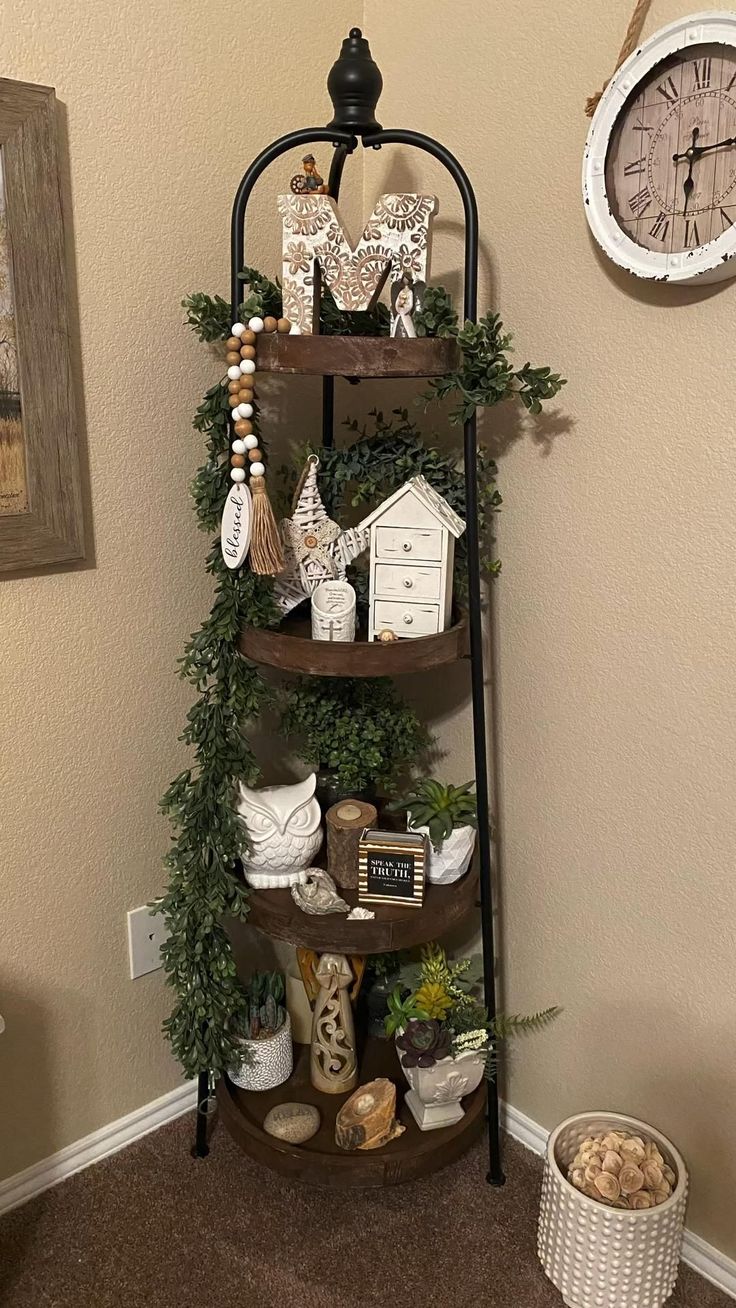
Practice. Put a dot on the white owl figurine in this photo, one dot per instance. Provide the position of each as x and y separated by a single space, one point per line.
285 832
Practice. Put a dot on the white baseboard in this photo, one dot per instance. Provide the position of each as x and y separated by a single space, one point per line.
702 1257
100 1144
16 1190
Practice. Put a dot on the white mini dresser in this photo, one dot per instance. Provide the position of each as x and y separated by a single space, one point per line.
412 543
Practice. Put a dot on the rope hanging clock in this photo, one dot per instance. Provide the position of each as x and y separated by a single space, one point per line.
659 172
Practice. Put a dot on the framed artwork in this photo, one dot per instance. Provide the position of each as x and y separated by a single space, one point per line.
41 518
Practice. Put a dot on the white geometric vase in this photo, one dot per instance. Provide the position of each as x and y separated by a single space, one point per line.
601 1257
451 861
435 1094
271 1062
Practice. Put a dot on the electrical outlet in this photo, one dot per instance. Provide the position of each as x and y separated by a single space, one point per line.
146 934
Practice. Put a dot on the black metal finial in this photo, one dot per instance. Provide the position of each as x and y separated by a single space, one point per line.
354 84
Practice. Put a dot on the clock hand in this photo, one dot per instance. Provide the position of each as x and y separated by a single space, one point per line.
688 184
696 151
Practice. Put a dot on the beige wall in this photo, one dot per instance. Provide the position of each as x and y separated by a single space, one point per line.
160 121
616 614
617 624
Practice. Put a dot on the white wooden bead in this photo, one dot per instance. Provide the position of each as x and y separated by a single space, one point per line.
238 447
251 442
248 365
295 329
233 372
238 474
256 324
245 410
237 329
257 469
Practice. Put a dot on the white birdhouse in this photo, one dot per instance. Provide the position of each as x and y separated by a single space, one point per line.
412 543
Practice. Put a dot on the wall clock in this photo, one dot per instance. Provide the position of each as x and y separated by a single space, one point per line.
659 173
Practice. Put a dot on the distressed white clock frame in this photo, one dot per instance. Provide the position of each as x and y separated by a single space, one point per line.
412 548
712 262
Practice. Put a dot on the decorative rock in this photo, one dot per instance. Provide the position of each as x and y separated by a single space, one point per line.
295 1123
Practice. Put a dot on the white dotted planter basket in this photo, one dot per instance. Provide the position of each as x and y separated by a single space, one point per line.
271 1063
601 1257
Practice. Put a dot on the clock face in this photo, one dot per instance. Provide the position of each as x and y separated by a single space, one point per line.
670 167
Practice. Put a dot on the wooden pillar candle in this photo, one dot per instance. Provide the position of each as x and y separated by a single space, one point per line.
345 822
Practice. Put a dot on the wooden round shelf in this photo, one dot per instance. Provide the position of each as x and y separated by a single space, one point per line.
358 356
275 913
291 648
319 1162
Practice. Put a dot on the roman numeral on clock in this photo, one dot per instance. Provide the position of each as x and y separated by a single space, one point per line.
725 220
691 234
701 73
634 168
644 127
730 84
669 91
640 202
661 227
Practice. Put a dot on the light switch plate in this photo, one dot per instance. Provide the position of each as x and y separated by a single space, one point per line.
146 934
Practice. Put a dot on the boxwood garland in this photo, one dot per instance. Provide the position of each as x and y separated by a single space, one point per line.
203 892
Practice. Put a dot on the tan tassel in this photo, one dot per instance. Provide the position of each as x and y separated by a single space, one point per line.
266 556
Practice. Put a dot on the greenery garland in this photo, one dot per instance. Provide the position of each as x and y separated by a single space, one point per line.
210 1008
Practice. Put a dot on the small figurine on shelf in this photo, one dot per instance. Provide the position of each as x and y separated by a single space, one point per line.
404 302
284 832
333 1063
309 181
412 539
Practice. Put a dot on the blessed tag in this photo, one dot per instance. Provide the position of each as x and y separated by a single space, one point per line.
235 529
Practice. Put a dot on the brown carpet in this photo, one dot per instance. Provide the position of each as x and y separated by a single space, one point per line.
154 1228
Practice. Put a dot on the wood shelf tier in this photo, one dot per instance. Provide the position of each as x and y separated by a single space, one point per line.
291 648
319 1162
394 927
358 356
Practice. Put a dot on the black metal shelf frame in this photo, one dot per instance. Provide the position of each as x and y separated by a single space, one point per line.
355 85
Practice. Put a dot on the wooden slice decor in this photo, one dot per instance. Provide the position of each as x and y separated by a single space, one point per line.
235 528
291 648
345 821
368 1119
358 356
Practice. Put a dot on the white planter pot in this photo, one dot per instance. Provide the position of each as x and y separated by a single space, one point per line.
453 859
435 1093
271 1064
601 1257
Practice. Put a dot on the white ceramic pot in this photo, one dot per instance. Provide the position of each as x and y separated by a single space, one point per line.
435 1093
452 860
602 1257
271 1061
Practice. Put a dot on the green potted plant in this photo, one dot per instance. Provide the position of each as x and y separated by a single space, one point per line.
447 815
445 1040
357 732
266 1051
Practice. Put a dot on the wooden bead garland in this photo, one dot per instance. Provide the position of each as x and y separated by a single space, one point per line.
246 456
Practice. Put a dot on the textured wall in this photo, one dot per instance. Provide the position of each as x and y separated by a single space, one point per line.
616 607
159 117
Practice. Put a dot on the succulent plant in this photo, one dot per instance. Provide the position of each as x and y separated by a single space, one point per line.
401 1011
434 999
266 1013
439 808
423 1043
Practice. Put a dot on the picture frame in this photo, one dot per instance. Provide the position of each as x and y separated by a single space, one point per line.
41 514
392 868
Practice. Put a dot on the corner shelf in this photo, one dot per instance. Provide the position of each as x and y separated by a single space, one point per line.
275 913
319 1162
291 648
358 356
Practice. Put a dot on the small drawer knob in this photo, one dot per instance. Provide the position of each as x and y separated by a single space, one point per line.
408 583
406 547
408 619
